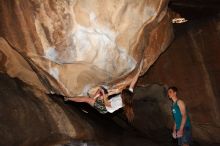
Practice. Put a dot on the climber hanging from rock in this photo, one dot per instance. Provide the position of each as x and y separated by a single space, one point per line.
113 99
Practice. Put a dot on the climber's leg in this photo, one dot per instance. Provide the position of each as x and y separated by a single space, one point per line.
85 99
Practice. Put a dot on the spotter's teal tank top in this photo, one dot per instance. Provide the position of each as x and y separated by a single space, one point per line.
178 117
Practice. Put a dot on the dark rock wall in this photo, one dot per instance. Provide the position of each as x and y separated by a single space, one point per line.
192 64
30 119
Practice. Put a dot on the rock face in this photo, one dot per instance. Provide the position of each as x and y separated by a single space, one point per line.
35 119
69 47
192 64
29 119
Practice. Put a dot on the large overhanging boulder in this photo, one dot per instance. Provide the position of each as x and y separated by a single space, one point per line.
71 46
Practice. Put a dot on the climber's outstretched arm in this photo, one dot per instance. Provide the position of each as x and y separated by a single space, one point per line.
105 98
116 89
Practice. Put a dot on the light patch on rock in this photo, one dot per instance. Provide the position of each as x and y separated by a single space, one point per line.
54 72
85 90
99 42
93 39
129 60
51 54
150 11
92 16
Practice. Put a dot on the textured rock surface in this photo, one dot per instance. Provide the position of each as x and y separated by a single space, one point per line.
71 46
28 119
192 64
152 113
39 120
